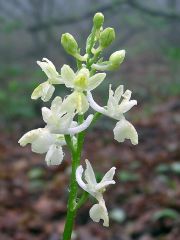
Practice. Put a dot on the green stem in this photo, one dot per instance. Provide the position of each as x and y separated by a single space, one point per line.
91 43
79 64
71 213
69 143
72 201
97 115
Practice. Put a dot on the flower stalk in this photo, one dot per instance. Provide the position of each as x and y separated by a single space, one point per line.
72 201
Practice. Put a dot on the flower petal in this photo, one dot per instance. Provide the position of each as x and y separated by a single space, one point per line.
89 174
107 179
118 92
95 81
125 130
43 141
46 114
44 91
47 92
37 93
54 155
56 103
125 105
29 137
102 185
48 67
109 175
67 75
79 172
40 140
127 95
99 211
112 103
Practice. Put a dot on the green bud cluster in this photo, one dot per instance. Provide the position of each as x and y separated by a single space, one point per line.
102 38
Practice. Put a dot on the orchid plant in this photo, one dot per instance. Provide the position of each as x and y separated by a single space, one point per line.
65 122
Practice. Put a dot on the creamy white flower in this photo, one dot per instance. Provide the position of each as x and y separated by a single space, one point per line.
114 108
80 82
118 103
45 90
61 122
56 117
42 141
98 211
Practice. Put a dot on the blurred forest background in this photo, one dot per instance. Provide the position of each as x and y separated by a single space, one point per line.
33 197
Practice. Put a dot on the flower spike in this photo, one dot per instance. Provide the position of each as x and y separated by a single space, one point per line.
60 117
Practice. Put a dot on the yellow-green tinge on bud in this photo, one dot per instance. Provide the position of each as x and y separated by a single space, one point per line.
69 43
98 20
117 58
107 37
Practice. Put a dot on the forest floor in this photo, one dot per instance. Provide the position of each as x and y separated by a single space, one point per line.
143 205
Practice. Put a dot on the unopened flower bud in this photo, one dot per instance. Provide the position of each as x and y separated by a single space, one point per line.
98 20
117 58
114 61
69 43
106 37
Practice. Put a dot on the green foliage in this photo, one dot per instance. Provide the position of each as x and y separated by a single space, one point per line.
173 89
135 165
166 213
13 94
17 106
175 167
162 168
127 176
10 26
169 168
173 53
11 72
36 173
36 178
